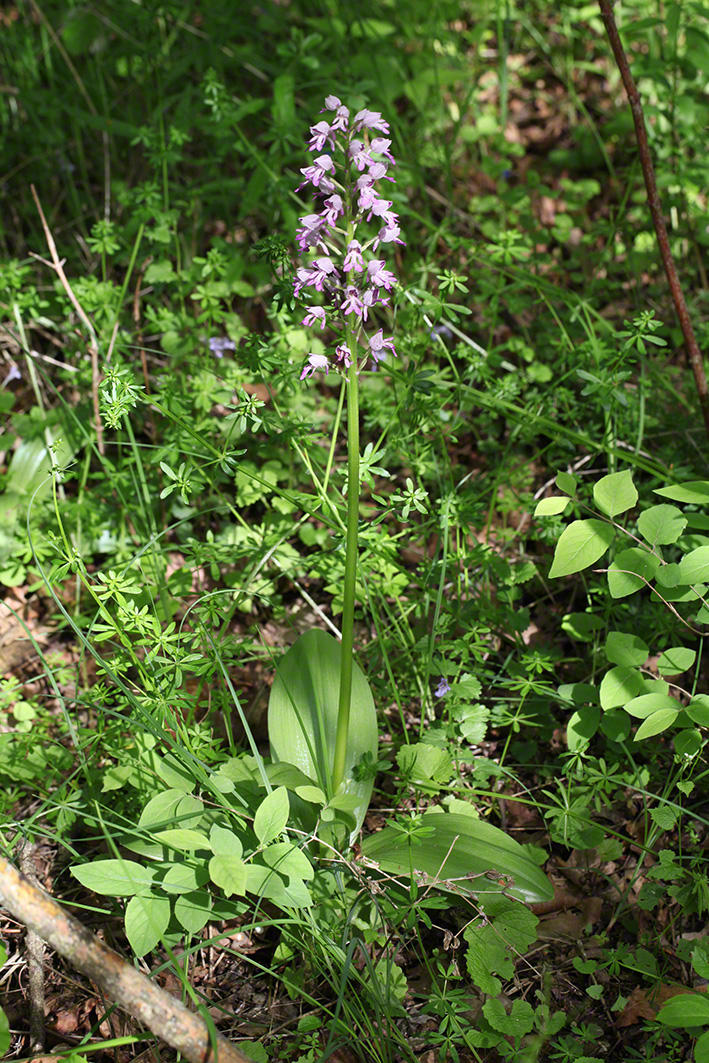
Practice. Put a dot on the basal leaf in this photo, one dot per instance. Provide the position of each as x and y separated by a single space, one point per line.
302 716
456 847
581 545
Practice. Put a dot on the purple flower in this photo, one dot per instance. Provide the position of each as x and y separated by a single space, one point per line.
378 346
380 209
15 374
320 135
315 313
388 234
369 120
379 276
360 155
372 298
353 259
335 207
380 146
320 271
342 114
368 195
344 354
378 172
311 233
219 344
352 303
317 173
315 363
443 688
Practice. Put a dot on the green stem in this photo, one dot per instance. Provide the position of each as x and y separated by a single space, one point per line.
350 585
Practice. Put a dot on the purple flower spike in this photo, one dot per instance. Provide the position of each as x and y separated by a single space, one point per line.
316 363
344 179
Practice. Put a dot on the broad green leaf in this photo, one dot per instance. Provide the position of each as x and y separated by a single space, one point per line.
114 878
272 816
615 493
565 481
661 525
646 704
579 693
302 716
193 910
619 685
630 570
224 842
550 507
229 873
183 839
676 660
655 724
312 794
581 545
688 742
616 725
282 774
160 810
582 726
289 860
624 648
5 1038
694 566
176 774
146 921
693 491
686 1009
518 1023
181 878
457 847
698 710
581 626
668 575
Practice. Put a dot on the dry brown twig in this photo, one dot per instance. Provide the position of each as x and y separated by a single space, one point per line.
183 1030
58 267
653 199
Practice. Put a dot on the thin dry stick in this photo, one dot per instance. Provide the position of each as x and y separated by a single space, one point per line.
183 1030
35 961
93 343
653 199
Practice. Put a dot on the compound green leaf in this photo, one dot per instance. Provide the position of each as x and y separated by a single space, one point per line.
581 545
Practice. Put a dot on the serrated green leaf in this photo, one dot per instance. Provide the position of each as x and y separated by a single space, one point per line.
624 648
272 816
615 493
661 525
550 507
457 847
146 921
114 878
580 545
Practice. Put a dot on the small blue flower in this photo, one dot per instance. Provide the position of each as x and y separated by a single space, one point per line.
443 688
14 374
219 344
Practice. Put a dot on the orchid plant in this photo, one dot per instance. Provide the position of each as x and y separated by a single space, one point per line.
321 719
